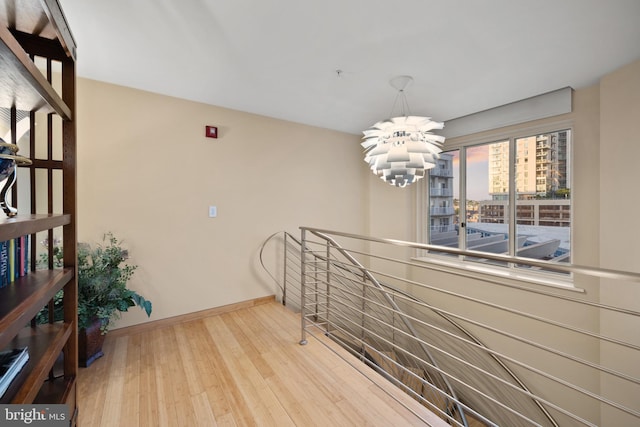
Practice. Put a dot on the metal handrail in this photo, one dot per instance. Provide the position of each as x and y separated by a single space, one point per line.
392 303
338 284
527 315
474 340
281 286
565 268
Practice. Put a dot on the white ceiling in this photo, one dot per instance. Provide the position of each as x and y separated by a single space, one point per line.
279 58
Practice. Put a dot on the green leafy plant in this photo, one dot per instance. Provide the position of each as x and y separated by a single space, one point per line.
102 285
43 316
43 261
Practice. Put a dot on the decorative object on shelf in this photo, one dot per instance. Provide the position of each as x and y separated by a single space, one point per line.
102 294
401 149
9 162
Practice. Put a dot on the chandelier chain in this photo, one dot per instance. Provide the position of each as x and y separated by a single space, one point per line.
404 104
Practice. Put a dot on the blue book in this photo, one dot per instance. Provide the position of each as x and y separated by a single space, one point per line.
12 260
26 254
4 264
20 251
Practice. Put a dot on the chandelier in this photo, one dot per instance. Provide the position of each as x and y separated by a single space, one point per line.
399 150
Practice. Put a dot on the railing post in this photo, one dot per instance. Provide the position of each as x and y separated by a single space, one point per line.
363 307
316 280
394 317
284 277
303 270
328 280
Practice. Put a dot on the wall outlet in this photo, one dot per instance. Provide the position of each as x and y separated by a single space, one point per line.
213 211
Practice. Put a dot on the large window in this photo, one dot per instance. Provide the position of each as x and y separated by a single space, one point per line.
510 196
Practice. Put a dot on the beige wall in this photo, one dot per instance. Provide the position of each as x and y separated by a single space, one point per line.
147 173
391 216
619 154
620 177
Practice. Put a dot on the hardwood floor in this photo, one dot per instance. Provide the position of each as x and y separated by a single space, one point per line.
243 368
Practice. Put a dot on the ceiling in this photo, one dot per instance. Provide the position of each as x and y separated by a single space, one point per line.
279 58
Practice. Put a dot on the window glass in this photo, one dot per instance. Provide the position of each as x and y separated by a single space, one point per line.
443 200
543 202
536 176
488 189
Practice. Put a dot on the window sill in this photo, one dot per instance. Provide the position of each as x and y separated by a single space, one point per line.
496 274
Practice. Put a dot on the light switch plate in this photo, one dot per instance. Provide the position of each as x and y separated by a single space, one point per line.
213 211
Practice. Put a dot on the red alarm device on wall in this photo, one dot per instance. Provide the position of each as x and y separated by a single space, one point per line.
211 132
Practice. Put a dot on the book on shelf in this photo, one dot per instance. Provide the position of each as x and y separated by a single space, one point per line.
14 259
11 362
4 264
21 252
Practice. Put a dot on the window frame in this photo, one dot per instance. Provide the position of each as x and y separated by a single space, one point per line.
512 134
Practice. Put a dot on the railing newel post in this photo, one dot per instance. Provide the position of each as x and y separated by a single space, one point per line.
362 310
303 268
328 265
284 273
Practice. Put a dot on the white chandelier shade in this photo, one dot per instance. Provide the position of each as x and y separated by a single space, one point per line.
401 149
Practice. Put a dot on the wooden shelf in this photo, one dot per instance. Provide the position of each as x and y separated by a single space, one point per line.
55 391
21 82
45 342
32 14
22 225
34 34
23 299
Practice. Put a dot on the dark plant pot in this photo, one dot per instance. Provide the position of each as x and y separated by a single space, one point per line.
90 342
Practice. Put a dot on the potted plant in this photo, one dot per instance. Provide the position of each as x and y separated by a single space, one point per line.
102 294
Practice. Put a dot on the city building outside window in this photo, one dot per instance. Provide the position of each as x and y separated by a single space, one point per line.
474 192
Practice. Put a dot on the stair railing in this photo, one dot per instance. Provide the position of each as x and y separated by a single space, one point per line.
289 281
331 243
367 309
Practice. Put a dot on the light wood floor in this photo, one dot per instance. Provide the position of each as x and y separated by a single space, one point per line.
243 368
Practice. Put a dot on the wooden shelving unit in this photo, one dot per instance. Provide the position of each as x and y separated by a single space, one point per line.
22 300
36 47
28 224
